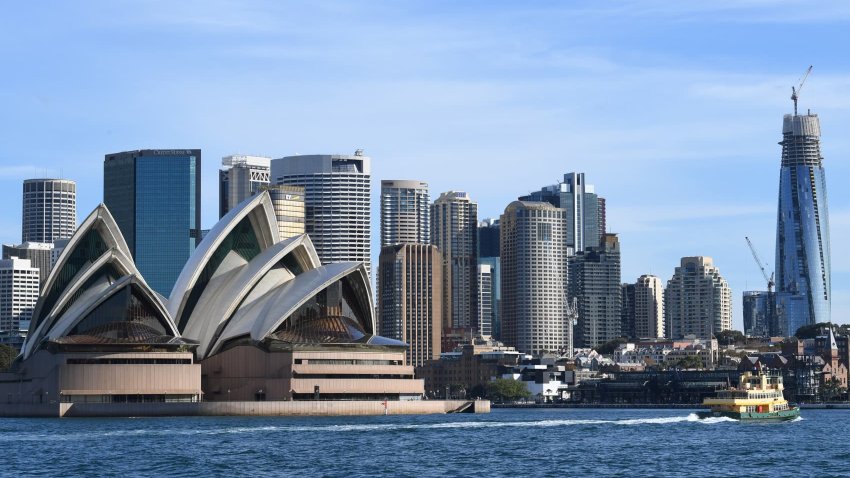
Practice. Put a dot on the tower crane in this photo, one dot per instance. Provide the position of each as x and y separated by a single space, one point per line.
769 280
795 93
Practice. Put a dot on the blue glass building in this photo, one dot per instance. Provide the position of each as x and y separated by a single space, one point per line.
803 291
155 198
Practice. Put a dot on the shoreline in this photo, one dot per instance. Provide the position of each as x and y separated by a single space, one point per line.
648 406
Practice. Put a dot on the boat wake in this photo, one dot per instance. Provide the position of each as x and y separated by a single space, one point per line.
387 427
710 420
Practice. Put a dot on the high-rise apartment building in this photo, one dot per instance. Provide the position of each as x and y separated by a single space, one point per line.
49 210
585 210
698 300
405 212
454 230
155 197
19 288
803 290
336 199
40 255
534 278
495 293
649 307
410 305
240 177
759 313
289 208
594 279
489 254
485 301
627 310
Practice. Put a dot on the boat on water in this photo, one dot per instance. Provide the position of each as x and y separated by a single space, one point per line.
758 397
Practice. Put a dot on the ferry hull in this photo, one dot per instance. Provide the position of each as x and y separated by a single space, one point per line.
778 416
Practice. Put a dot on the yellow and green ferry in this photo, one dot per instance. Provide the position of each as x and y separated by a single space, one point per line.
758 397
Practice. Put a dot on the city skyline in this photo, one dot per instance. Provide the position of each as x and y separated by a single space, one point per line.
650 123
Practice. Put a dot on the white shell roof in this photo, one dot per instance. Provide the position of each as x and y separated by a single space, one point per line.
261 211
46 322
261 317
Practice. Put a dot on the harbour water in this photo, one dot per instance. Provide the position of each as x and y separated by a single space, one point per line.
506 442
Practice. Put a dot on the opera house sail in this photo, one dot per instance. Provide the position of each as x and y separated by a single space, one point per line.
99 333
250 318
272 323
802 228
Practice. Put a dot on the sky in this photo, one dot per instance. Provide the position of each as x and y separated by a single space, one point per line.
673 110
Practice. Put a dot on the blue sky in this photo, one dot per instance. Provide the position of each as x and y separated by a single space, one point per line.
672 109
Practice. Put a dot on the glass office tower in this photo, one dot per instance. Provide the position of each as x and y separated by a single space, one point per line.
155 196
802 228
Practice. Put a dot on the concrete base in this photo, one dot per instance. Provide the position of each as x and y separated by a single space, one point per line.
288 408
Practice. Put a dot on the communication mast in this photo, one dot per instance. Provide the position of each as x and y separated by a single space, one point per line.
795 93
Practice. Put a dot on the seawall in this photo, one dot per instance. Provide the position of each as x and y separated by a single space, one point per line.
287 408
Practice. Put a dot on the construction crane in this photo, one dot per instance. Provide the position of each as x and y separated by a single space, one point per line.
795 93
769 280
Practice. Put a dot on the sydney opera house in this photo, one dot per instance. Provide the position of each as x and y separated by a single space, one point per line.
251 318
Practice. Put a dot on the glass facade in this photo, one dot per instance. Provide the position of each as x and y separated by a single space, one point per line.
803 289
336 313
154 196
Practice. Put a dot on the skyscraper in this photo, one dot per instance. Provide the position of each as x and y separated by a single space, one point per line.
759 312
489 254
18 295
803 291
410 305
40 255
698 300
454 230
649 307
155 197
534 278
585 210
288 202
488 238
240 177
405 212
336 200
49 210
627 310
485 301
594 279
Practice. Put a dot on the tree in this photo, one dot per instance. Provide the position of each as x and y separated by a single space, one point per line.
690 361
610 346
730 337
832 390
506 390
813 330
7 355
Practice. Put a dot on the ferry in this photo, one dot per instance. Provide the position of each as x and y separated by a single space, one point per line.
757 398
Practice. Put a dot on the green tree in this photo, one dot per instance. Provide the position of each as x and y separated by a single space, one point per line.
610 346
832 390
7 355
730 337
690 361
506 390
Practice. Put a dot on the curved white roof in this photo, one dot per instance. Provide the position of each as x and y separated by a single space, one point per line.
63 299
225 292
98 294
261 317
259 210
113 257
101 221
